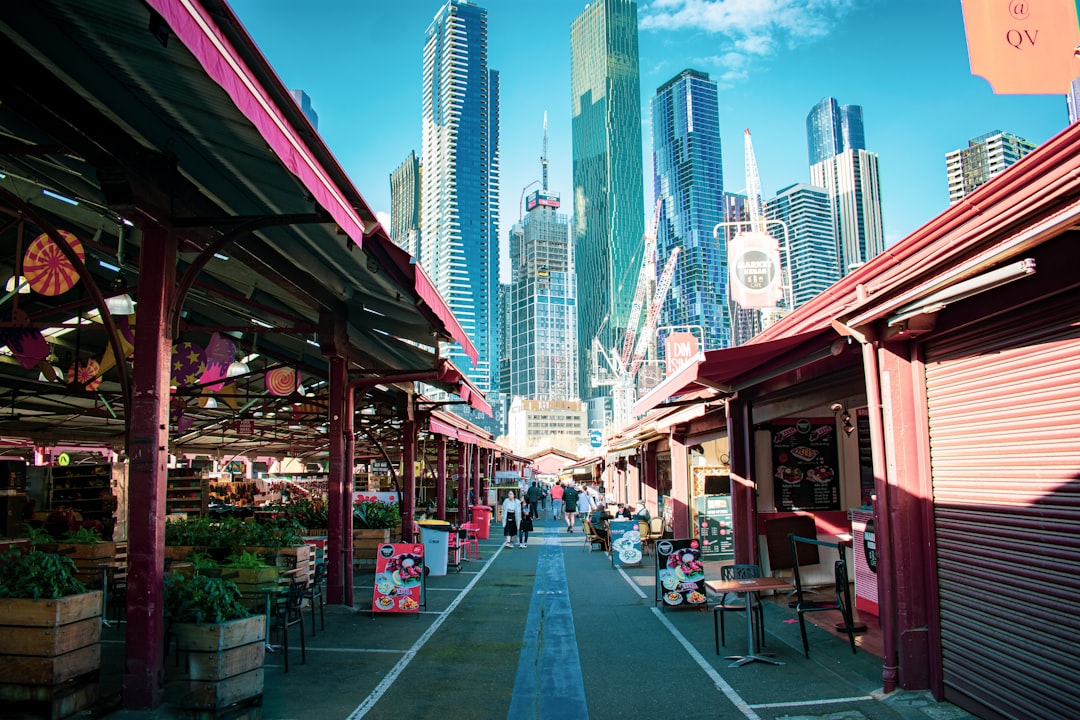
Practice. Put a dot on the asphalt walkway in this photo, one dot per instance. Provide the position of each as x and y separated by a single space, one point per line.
553 631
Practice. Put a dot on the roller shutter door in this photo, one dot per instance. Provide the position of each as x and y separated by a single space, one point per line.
1004 419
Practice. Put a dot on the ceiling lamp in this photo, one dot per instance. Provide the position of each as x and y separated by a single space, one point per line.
120 304
236 369
18 282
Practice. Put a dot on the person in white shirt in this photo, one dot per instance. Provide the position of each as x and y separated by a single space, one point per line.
511 516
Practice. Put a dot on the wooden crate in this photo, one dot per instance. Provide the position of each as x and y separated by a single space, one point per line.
224 662
52 702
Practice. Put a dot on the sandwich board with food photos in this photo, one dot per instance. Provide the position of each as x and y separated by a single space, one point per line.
625 538
680 573
399 578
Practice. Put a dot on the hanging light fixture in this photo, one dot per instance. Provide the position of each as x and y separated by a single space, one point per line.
236 369
18 282
119 304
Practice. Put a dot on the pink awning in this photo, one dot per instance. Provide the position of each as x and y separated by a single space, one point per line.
436 425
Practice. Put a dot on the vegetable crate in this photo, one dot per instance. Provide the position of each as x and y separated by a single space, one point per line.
225 663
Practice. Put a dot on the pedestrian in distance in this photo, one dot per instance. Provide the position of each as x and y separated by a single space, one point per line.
532 497
570 500
556 500
511 514
525 527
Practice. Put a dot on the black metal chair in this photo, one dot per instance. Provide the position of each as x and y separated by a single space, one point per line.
736 572
316 595
842 601
290 611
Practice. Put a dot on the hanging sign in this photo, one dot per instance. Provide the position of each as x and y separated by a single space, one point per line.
679 349
754 263
399 578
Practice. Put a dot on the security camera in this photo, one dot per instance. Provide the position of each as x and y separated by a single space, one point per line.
836 407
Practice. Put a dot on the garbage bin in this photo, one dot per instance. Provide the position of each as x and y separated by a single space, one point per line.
482 517
435 536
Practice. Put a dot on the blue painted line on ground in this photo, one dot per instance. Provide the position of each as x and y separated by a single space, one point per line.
549 684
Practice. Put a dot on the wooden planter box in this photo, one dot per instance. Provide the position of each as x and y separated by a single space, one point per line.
50 652
286 559
89 560
367 542
253 584
225 662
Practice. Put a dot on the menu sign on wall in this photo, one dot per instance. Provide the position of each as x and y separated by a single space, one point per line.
399 578
625 542
805 467
680 574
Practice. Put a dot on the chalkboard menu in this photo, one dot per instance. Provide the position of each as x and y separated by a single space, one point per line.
680 574
866 458
713 522
625 542
805 467
399 578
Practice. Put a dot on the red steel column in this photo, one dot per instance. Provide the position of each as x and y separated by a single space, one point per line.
440 481
339 502
408 479
680 487
475 459
743 491
148 432
348 430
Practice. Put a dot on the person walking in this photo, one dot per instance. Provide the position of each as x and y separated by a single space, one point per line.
570 499
556 500
532 497
511 515
525 527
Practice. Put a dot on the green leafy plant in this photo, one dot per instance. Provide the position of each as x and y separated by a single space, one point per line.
202 561
201 599
39 536
374 515
36 575
246 560
82 536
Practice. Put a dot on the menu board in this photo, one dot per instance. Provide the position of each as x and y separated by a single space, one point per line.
866 458
625 542
680 574
805 466
713 521
399 578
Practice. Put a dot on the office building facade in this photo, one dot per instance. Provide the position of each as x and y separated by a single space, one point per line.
609 210
405 205
811 252
459 180
304 101
984 157
688 175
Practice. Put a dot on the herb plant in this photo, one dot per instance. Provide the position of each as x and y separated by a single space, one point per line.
37 575
373 515
201 599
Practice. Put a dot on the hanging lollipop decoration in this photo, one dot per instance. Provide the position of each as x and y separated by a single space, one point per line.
282 381
220 353
47 269
85 374
188 364
25 343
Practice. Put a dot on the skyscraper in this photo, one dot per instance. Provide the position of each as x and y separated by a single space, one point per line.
840 163
460 178
304 102
805 210
405 205
688 174
983 158
608 186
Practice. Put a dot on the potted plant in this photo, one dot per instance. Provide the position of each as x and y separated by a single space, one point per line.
223 642
253 577
280 543
50 630
372 522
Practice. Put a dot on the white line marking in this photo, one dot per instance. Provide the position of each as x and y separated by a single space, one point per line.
363 708
832 701
720 683
630 581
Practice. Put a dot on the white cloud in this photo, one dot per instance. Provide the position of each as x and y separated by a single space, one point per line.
755 27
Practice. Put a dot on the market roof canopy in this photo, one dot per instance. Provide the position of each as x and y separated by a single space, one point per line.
119 110
722 369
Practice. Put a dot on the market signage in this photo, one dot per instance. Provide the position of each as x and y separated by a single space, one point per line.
754 263
625 542
805 467
680 574
679 348
399 578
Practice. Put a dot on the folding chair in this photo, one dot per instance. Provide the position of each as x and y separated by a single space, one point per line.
842 602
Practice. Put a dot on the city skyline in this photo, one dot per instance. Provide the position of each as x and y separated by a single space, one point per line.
771 68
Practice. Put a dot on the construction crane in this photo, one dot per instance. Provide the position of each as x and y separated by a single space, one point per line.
622 367
753 185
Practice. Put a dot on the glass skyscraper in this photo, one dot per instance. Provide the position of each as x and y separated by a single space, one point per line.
405 205
840 163
688 174
459 208
609 209
805 210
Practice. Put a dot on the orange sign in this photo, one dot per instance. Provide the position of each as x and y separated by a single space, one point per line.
1023 47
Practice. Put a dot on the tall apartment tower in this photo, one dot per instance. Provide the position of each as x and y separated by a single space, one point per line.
807 213
983 158
840 163
543 310
405 205
459 181
1072 101
688 174
608 187
304 101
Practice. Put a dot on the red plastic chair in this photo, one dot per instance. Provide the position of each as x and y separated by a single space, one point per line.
471 541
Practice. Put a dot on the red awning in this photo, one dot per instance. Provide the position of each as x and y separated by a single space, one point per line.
436 425
720 369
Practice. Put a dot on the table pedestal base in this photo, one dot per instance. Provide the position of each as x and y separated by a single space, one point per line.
741 660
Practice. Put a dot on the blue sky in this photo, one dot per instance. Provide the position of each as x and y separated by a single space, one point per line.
905 63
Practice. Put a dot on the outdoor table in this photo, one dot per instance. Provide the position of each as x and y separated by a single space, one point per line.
751 587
